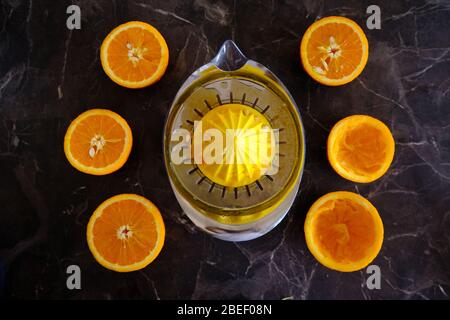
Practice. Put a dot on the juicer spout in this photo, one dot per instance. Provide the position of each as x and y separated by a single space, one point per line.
229 57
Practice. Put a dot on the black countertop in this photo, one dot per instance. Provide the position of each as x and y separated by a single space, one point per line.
49 75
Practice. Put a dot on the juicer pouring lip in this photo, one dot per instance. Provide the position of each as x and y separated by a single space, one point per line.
229 57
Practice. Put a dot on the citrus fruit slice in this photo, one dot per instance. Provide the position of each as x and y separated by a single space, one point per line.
334 50
360 148
125 233
344 231
134 55
247 150
98 142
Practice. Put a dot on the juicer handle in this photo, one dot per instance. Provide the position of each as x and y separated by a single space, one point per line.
229 57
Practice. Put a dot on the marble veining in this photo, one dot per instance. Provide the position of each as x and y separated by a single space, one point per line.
49 74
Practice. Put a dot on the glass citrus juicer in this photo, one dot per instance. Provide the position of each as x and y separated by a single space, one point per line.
234 147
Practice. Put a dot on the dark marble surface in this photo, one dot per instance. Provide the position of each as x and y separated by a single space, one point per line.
49 74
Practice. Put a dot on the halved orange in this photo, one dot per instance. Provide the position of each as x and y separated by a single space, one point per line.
98 142
134 55
360 148
344 231
126 233
334 50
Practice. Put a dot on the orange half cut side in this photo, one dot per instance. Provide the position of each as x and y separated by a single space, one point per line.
134 55
360 148
344 231
334 50
98 142
126 233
